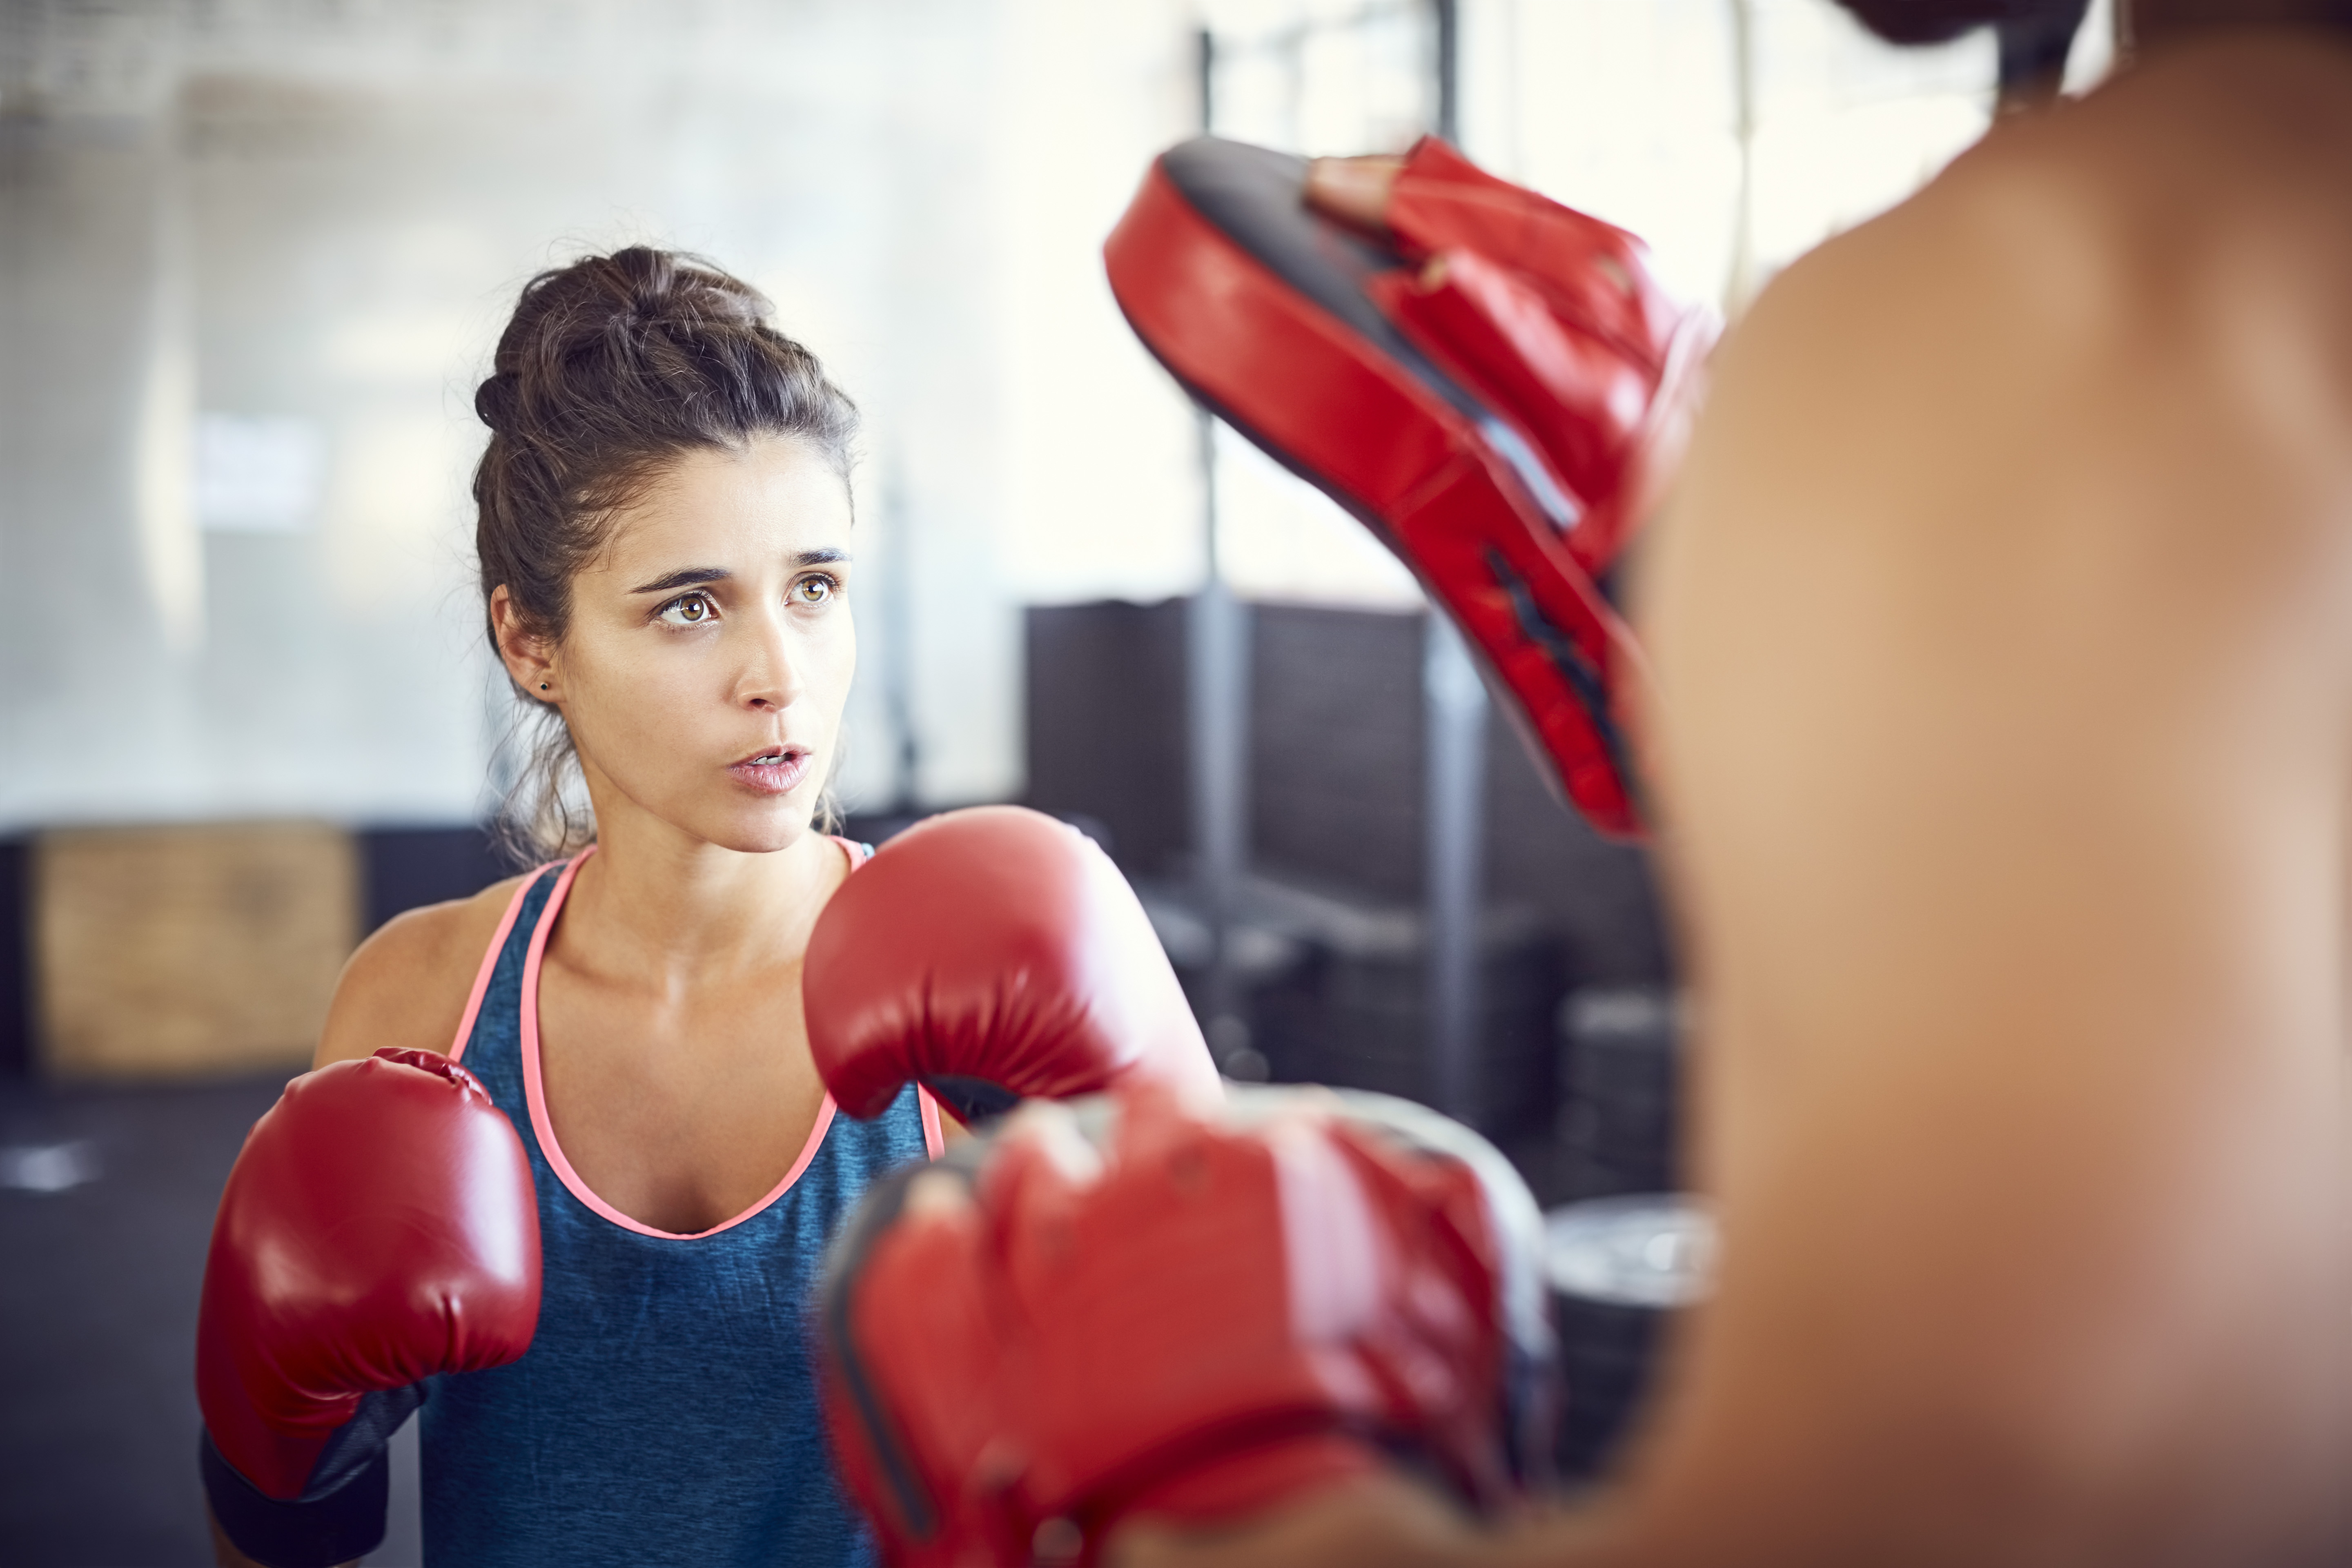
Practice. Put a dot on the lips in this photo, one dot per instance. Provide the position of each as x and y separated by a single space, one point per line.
779 770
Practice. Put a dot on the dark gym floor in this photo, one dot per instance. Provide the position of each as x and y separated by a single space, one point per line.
106 1203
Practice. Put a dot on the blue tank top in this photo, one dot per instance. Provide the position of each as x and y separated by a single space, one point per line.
667 1410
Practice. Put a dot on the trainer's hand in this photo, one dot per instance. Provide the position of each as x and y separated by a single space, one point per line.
1354 190
1553 317
992 955
379 1228
1125 1310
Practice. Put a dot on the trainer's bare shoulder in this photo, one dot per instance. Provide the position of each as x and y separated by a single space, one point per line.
2197 210
407 984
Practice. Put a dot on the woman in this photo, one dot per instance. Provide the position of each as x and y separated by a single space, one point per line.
664 533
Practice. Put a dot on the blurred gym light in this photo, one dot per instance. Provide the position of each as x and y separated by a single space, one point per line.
258 474
48 1167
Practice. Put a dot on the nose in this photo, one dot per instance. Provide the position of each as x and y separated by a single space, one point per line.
770 679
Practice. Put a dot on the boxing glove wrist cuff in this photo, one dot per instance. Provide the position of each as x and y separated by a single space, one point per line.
339 1517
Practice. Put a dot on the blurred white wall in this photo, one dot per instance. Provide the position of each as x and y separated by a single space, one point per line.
1732 135
254 254
1103 492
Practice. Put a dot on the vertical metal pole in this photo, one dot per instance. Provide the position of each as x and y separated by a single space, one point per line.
1741 284
898 615
1454 725
1205 61
1218 650
1449 69
1217 657
1454 730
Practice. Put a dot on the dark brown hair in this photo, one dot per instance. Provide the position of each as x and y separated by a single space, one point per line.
611 368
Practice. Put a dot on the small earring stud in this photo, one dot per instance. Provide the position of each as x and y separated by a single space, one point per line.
543 686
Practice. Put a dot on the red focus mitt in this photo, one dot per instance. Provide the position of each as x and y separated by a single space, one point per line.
1125 1308
1496 386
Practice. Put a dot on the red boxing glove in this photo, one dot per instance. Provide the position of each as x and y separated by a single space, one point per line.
1184 1318
379 1227
1497 386
993 954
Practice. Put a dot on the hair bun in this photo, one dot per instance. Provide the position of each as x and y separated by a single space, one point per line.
581 331
665 287
648 280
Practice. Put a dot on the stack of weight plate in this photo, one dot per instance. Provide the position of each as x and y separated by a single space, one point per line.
1619 1051
1356 1013
1619 1269
1266 966
1335 985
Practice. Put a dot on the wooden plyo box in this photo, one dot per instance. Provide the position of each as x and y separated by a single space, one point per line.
187 950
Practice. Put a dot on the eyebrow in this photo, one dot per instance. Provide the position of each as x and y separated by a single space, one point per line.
694 576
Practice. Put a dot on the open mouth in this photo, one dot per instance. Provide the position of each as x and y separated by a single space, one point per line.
776 771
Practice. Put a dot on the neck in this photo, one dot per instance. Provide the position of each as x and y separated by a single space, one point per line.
658 904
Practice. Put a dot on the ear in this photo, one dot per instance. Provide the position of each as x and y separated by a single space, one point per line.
530 657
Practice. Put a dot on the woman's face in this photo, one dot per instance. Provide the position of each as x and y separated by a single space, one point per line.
712 647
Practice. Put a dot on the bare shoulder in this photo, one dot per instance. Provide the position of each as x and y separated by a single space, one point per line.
2183 207
407 984
2208 152
2139 292
2242 118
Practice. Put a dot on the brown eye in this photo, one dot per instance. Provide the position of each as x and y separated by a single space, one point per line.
813 590
690 610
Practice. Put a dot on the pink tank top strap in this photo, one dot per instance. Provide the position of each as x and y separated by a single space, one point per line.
491 962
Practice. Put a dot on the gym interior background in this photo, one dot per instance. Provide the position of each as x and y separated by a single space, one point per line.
255 253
